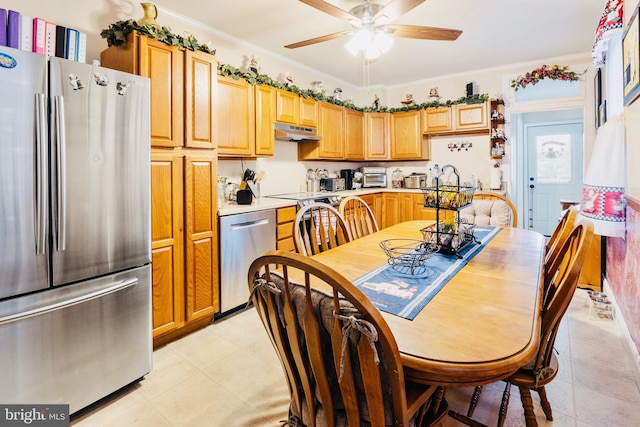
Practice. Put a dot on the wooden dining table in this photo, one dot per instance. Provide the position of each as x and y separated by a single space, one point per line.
481 326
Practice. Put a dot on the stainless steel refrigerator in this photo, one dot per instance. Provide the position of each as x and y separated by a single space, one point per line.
75 246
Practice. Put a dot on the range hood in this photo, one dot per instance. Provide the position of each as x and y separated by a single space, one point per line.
295 133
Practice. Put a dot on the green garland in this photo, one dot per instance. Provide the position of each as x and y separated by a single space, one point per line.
117 34
263 79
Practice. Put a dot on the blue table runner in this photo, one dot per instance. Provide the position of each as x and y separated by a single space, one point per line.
397 291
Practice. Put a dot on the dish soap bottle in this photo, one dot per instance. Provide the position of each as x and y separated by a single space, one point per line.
396 178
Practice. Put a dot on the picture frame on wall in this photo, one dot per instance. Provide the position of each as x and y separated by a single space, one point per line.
631 60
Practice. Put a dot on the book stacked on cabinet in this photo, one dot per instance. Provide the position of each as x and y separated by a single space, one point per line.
38 35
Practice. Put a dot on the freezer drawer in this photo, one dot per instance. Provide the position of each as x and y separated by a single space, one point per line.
76 344
243 238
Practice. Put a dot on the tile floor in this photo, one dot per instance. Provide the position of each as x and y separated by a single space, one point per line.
228 375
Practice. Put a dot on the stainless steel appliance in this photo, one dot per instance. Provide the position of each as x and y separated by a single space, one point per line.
304 199
332 184
415 180
374 176
293 133
348 175
75 282
243 238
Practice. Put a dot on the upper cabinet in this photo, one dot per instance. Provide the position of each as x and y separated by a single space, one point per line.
376 136
265 116
460 118
235 117
287 107
182 89
438 119
308 112
407 140
353 134
331 127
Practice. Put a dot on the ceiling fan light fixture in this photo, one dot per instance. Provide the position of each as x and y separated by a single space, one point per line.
383 41
372 52
359 41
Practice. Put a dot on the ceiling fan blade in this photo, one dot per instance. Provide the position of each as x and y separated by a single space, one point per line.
425 33
331 10
318 40
396 9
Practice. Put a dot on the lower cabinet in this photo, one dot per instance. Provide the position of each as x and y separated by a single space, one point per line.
284 228
184 243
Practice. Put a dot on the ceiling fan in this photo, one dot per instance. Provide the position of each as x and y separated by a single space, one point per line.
371 20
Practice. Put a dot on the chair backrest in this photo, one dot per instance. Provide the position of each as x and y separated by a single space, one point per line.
358 216
490 208
319 227
558 237
340 358
558 294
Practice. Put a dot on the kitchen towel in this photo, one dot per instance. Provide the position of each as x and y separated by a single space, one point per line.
399 292
603 192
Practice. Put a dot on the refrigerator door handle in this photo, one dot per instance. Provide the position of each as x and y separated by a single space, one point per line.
41 181
61 172
70 302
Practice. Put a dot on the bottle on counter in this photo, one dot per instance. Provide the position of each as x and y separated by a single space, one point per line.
397 178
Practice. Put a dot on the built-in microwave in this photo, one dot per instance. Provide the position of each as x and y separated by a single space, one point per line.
374 176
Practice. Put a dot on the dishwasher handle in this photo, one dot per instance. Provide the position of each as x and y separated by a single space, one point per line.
249 224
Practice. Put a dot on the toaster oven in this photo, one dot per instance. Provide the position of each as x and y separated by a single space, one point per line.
374 177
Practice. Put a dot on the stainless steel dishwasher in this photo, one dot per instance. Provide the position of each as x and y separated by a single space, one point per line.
243 238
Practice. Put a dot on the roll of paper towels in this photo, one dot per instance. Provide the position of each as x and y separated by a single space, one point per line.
495 179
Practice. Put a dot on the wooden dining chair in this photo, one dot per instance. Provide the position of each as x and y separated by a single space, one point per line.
557 239
544 367
490 208
319 227
340 359
358 216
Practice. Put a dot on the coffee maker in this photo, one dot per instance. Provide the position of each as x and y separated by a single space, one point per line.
347 174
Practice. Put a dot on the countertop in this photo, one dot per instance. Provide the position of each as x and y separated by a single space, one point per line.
266 202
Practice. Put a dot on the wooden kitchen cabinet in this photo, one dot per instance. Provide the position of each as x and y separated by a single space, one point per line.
284 228
471 117
459 118
308 112
407 141
377 132
331 128
201 238
390 210
167 242
183 181
182 85
287 107
353 134
265 116
437 120
235 115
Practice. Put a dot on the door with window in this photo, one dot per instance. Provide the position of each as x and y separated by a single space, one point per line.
554 172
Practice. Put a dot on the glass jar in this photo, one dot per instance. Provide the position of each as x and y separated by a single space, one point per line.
397 178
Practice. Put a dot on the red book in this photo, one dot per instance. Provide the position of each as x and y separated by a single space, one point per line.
39 35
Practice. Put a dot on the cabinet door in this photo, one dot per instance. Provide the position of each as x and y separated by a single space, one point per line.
376 136
167 242
265 116
377 208
284 228
406 137
471 117
287 107
164 66
308 112
235 117
200 80
405 203
390 210
201 261
437 119
331 127
354 134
